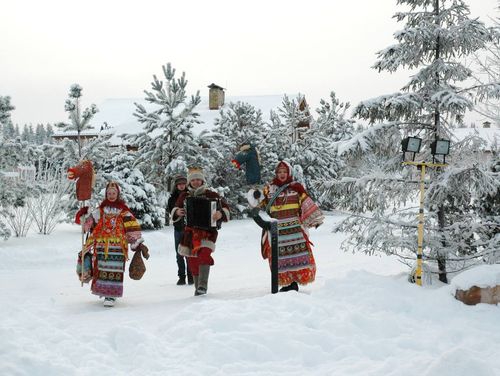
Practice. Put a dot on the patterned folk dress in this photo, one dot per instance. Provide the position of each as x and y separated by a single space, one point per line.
295 213
115 228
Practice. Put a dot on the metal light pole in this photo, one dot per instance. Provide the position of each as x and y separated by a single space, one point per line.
420 238
438 147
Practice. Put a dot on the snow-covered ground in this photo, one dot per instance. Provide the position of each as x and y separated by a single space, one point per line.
360 317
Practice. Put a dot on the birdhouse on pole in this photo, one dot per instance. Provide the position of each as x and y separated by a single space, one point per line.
215 96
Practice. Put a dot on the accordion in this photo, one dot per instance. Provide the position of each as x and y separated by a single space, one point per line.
200 211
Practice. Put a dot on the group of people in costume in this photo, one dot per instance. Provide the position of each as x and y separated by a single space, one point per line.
113 229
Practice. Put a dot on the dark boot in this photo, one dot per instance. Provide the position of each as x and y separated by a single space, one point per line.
290 287
190 279
182 280
203 280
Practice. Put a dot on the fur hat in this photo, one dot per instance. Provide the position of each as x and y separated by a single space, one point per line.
195 173
179 179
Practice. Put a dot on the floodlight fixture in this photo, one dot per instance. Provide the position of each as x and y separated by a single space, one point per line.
411 145
440 147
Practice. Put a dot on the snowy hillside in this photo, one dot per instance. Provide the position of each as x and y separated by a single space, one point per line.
360 317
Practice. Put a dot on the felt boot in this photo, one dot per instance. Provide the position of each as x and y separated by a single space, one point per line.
203 280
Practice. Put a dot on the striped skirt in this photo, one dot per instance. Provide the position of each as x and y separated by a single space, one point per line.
296 262
108 275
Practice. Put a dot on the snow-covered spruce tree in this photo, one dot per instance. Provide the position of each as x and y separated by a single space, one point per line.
332 119
437 34
297 138
139 195
6 132
69 152
238 124
40 134
28 134
49 132
79 120
5 109
486 67
488 207
167 128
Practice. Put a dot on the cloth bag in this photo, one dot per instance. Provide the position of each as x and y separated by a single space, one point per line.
86 276
137 267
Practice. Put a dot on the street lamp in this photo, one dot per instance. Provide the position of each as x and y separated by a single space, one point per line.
438 147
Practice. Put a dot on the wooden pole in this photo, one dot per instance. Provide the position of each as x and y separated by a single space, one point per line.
272 227
83 247
274 257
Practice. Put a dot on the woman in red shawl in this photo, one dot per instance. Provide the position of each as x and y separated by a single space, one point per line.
288 202
114 227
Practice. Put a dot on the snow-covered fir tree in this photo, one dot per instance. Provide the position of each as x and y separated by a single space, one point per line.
487 72
49 132
79 120
436 36
167 125
40 134
5 192
333 120
28 134
5 109
70 151
139 195
488 207
295 136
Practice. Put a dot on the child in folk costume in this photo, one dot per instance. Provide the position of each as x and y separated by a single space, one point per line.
198 244
113 227
180 185
288 202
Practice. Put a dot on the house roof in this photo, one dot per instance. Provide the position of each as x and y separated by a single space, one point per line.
214 86
490 135
118 113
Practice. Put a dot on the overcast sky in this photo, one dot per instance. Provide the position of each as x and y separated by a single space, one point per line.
113 47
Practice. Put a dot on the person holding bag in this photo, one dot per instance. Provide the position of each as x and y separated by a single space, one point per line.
113 228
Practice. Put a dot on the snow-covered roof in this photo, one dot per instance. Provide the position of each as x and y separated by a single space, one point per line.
118 113
490 135
85 133
10 174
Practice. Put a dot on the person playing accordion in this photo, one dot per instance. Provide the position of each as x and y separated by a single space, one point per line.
202 209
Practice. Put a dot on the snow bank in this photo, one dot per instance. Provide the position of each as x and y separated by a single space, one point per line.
360 316
480 276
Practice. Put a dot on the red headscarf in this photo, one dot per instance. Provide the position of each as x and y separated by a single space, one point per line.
297 187
118 203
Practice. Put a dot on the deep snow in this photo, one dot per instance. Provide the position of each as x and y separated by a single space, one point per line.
360 317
